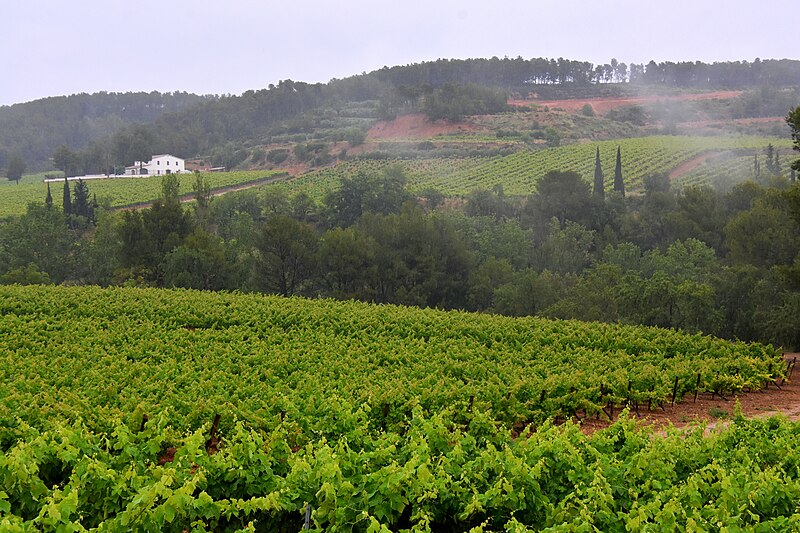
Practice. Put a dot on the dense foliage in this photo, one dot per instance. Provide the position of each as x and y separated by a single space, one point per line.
375 416
34 130
720 262
188 125
253 356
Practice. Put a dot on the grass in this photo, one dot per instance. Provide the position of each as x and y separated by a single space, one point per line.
116 192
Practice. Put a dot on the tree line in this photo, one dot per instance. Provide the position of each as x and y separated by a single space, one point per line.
695 259
32 131
98 126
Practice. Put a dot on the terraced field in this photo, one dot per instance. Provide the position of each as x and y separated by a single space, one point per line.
519 172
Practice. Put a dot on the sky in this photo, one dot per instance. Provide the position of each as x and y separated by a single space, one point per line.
61 47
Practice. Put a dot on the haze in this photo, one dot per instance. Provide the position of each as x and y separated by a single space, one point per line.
52 48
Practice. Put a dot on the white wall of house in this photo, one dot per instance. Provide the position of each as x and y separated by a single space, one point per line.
158 165
166 164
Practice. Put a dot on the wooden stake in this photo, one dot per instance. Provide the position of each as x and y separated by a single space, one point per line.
697 387
674 390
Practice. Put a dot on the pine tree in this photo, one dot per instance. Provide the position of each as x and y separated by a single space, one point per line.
599 190
48 200
619 184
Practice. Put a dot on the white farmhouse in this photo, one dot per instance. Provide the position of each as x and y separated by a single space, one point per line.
157 166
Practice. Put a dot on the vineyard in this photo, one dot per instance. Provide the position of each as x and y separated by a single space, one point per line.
118 192
519 172
726 169
379 418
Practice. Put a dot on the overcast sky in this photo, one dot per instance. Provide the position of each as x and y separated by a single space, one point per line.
58 47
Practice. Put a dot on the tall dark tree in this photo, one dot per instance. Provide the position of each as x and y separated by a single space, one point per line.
81 204
770 157
48 200
66 160
16 166
619 184
793 120
599 190
287 254
67 200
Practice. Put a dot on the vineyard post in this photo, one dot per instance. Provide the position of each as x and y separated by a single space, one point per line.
144 421
674 390
610 404
307 522
471 399
211 443
697 387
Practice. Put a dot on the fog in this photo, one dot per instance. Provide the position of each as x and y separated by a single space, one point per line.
54 48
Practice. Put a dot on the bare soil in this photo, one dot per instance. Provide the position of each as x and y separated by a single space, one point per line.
417 126
691 164
728 122
773 400
604 105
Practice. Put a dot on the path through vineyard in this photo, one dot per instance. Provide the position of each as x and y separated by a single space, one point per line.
691 164
771 401
189 197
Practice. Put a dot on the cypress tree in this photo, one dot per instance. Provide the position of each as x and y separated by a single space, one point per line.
48 200
80 203
619 184
770 156
67 201
599 191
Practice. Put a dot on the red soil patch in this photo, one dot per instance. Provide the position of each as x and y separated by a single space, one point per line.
688 166
604 105
773 400
742 121
416 126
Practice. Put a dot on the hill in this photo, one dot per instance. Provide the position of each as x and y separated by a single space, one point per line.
35 129
189 125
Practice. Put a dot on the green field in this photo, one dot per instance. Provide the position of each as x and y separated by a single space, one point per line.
253 356
381 418
519 172
116 192
729 168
